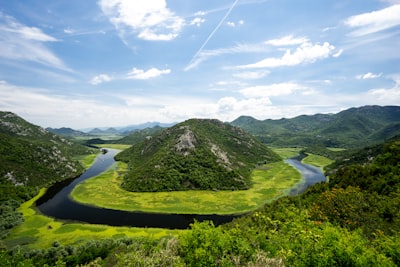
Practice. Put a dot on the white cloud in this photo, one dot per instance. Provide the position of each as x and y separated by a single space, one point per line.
276 89
287 40
368 75
149 20
197 21
338 53
230 24
20 42
251 75
234 24
100 79
375 21
138 74
387 96
306 53
239 48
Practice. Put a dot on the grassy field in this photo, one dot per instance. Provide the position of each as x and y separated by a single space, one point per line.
270 183
39 231
287 152
316 160
86 160
115 146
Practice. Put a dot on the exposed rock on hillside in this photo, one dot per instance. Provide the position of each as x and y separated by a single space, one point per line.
195 154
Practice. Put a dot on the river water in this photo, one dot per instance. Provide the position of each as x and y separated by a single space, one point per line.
57 203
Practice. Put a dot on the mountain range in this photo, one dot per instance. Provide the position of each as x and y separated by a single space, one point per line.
354 127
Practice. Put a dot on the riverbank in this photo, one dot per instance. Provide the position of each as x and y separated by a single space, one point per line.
270 182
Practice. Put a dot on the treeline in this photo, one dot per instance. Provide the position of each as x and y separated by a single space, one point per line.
354 220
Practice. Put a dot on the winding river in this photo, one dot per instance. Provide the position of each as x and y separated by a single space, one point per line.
56 202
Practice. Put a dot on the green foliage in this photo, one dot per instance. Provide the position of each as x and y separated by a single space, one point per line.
355 127
196 154
30 158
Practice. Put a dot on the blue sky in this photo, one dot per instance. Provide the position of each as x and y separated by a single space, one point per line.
101 63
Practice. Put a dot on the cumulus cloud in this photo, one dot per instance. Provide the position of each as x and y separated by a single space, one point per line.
149 20
100 79
138 74
387 96
306 53
374 21
276 89
368 75
287 40
21 42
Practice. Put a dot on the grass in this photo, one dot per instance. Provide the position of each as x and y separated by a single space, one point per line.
39 231
287 152
316 160
86 160
271 182
114 146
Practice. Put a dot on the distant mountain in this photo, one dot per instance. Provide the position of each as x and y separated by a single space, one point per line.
109 131
32 156
138 135
354 127
68 132
125 130
148 125
195 154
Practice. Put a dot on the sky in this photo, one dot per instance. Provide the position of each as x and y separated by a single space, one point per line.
110 63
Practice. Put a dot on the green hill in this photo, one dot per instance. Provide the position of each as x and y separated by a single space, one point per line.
355 127
195 154
30 158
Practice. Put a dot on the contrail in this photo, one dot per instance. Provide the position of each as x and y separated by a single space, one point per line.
211 34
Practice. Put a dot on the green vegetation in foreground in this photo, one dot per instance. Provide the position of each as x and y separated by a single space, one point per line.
270 182
39 231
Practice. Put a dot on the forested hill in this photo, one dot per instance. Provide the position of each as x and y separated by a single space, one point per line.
354 127
30 158
30 155
195 154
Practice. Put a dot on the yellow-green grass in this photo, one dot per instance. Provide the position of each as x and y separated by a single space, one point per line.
270 182
39 231
287 152
86 160
336 149
115 146
316 160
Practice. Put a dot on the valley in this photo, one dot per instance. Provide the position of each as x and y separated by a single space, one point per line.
262 209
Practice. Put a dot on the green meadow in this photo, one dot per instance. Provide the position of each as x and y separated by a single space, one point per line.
39 231
270 182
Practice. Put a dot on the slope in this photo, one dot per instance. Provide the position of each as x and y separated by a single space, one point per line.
195 154
355 127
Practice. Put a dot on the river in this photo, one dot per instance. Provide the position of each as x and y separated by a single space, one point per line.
57 203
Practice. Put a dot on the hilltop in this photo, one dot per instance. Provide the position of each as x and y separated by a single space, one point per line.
32 156
195 154
354 127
